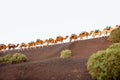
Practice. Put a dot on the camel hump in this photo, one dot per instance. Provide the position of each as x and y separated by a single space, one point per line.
97 30
83 32
38 40
50 39
73 35
22 43
31 42
58 36
108 27
1 44
11 44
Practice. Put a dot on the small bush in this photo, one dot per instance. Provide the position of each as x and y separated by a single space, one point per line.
115 35
105 65
115 46
18 58
1 59
66 54
7 59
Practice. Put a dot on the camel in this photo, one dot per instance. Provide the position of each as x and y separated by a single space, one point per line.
12 46
73 37
39 42
50 40
31 44
96 32
84 34
22 45
60 39
3 47
107 30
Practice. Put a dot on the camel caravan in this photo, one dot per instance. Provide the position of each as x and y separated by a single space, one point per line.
59 39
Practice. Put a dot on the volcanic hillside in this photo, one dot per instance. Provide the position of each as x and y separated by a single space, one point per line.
45 63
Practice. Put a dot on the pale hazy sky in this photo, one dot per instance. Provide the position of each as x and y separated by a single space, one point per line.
28 20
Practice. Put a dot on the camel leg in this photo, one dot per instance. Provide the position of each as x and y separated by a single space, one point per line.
93 36
61 41
100 33
86 37
0 51
47 44
70 40
13 48
40 46
4 51
105 33
75 38
81 38
20 49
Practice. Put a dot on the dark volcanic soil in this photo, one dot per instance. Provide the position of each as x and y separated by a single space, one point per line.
45 63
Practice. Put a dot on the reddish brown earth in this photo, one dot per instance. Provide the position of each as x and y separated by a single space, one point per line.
45 63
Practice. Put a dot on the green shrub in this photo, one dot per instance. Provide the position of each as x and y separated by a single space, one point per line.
7 59
115 35
66 54
1 59
18 58
105 65
115 46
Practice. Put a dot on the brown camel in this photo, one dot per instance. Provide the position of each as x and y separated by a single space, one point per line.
60 39
50 40
39 42
73 37
107 30
96 32
31 44
12 46
22 45
84 34
3 47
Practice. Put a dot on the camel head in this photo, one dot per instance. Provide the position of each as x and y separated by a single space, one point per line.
17 45
66 37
